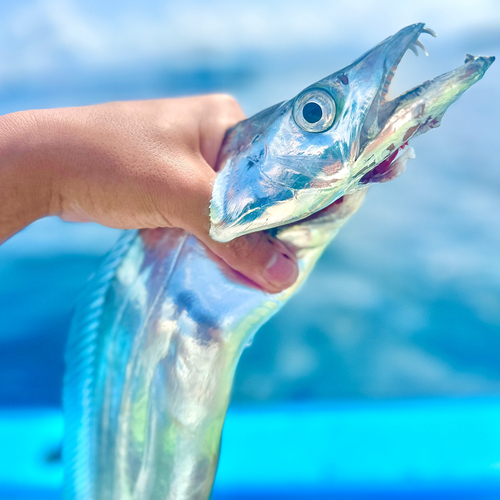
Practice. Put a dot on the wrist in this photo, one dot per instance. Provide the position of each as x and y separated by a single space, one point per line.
25 172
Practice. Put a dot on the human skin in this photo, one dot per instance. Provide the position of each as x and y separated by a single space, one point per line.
130 165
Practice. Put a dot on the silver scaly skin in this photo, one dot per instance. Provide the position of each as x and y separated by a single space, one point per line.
156 339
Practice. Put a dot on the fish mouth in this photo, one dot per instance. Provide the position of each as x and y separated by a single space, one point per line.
393 49
390 124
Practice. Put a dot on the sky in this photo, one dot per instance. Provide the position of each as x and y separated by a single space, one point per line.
38 35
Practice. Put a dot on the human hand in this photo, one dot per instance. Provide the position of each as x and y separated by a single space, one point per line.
130 165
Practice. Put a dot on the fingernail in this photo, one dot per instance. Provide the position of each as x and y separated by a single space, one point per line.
281 270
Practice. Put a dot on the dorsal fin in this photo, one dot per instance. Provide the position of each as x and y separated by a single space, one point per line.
81 365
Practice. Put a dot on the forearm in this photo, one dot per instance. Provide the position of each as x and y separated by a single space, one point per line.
130 165
25 173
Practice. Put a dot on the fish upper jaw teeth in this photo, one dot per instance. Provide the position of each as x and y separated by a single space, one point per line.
417 43
413 48
429 32
421 45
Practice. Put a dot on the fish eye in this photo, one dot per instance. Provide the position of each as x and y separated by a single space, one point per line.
314 110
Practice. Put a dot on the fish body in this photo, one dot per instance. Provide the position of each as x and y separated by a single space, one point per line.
157 336
160 364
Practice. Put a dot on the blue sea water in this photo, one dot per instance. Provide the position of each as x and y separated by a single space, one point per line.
404 304
364 450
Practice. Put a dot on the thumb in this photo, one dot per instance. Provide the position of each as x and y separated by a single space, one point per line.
260 257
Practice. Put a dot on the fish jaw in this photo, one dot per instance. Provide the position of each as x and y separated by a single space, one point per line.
276 172
414 113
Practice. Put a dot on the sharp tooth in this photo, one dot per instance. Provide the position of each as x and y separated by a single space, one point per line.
421 45
413 48
429 32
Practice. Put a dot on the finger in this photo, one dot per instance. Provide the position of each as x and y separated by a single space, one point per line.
261 258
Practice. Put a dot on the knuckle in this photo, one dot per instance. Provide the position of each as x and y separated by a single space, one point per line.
224 99
227 105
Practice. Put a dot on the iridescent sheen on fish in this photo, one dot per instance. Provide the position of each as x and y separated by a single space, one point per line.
158 334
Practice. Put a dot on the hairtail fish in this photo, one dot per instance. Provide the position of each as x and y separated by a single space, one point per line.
158 333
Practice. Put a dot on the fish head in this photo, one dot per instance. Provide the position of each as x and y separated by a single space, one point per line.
299 156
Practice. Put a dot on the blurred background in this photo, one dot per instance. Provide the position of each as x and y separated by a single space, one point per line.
381 378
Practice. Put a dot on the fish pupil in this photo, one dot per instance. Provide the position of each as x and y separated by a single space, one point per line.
312 112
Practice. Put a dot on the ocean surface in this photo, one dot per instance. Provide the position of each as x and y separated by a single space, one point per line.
404 304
